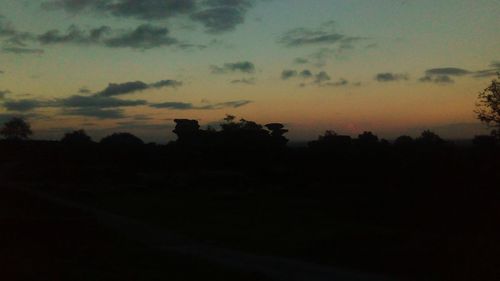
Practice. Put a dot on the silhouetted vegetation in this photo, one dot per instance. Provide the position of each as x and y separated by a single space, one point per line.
488 106
122 139
78 137
413 209
16 129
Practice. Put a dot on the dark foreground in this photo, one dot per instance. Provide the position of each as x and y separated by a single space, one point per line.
408 213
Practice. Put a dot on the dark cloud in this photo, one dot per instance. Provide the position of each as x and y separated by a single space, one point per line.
340 83
2 72
140 9
150 9
96 101
216 15
220 19
244 66
439 79
74 35
166 83
306 73
288 73
22 105
190 106
114 89
250 81
12 36
448 71
321 77
325 34
95 112
391 77
494 70
145 36
174 105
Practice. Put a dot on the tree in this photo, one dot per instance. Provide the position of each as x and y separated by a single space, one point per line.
367 138
16 129
429 138
76 137
122 139
488 106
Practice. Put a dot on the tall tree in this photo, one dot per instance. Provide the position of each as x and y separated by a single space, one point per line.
488 106
16 129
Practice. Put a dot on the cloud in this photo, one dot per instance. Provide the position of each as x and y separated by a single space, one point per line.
448 71
244 66
439 79
215 15
323 35
114 89
391 77
96 101
174 105
145 36
74 35
288 73
443 75
220 19
13 37
250 81
306 73
321 77
190 106
144 9
492 71
22 105
341 82
165 83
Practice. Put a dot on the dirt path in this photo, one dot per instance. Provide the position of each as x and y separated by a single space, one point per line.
158 238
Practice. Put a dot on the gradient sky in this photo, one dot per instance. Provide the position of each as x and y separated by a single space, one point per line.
390 66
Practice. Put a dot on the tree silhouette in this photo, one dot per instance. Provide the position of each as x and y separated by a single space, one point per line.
488 106
403 141
122 139
16 129
429 138
76 137
367 138
277 132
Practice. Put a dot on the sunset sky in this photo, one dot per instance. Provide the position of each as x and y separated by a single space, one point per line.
388 66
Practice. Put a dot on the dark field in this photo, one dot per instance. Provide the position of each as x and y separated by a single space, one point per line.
413 213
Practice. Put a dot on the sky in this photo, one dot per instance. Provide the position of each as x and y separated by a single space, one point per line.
393 67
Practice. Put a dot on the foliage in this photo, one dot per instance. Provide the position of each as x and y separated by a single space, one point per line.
76 137
16 129
122 139
488 106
